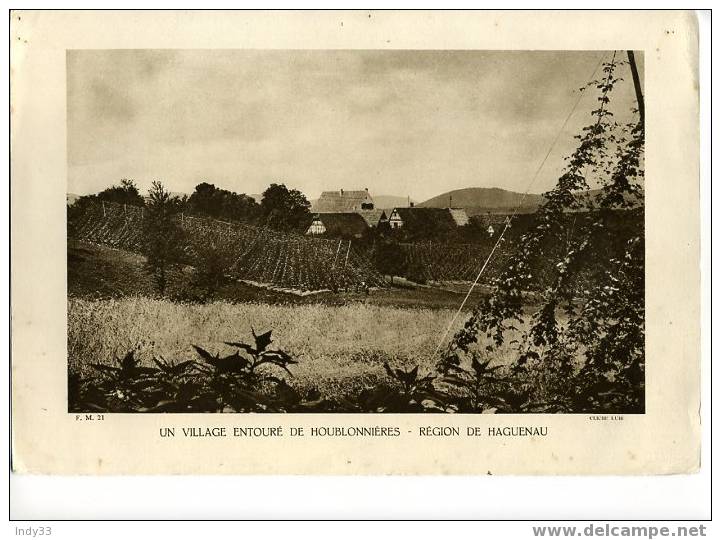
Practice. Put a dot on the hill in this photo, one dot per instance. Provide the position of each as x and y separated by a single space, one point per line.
484 200
495 200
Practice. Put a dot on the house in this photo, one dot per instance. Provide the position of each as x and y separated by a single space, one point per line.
374 218
338 224
420 219
459 216
492 223
344 201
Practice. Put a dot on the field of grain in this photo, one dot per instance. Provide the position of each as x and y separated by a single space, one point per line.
340 349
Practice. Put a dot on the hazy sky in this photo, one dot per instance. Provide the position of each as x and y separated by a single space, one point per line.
403 123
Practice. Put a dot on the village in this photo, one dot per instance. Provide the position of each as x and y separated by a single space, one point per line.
351 213
342 242
347 213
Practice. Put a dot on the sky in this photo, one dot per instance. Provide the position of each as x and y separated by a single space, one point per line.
405 123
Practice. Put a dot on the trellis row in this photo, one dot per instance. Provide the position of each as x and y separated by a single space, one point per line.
434 261
255 254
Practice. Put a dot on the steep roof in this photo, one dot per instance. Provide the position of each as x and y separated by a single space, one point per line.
418 217
459 216
341 201
342 223
372 217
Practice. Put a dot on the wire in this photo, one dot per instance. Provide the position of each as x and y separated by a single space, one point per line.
518 206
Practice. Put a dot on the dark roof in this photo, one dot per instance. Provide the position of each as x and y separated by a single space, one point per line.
342 223
419 217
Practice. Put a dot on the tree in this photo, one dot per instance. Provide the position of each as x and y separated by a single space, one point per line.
219 203
285 209
389 258
211 265
126 193
163 238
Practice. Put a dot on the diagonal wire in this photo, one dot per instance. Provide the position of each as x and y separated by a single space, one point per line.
515 211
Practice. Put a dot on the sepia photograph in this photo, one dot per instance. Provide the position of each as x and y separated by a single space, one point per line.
359 247
355 231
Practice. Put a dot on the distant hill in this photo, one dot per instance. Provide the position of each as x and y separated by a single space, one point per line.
480 200
492 200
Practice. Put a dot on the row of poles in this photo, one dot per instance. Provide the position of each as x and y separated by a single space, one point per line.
335 260
347 254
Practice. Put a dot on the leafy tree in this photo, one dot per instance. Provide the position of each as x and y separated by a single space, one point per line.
126 193
163 238
219 203
211 264
416 271
389 258
285 209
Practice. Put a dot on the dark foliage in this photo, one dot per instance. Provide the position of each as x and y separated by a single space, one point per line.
163 239
210 201
126 193
248 380
211 264
389 259
285 209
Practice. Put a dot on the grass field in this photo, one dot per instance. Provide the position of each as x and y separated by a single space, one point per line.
340 340
339 348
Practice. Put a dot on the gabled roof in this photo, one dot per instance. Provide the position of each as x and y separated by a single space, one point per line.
459 216
357 194
419 217
342 223
373 217
345 201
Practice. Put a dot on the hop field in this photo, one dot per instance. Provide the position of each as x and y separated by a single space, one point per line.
261 255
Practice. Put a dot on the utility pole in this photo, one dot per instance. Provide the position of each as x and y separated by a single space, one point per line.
637 85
